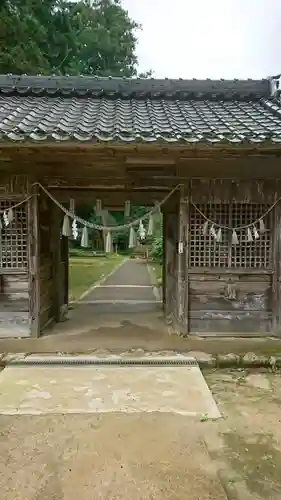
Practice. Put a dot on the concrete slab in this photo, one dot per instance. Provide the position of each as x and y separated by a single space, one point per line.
90 389
112 456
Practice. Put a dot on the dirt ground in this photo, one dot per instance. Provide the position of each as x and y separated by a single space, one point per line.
246 444
152 456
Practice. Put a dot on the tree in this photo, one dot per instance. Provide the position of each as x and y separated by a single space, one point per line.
60 37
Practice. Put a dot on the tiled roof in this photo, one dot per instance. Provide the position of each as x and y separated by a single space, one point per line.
129 110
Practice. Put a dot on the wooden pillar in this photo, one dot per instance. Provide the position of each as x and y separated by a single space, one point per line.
187 250
34 264
182 285
65 260
56 262
164 263
276 267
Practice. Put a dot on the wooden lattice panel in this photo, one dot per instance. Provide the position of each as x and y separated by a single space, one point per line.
206 252
13 248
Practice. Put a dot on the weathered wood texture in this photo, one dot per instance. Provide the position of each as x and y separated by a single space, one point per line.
14 304
46 271
181 270
276 277
230 288
238 190
64 271
14 289
230 303
34 278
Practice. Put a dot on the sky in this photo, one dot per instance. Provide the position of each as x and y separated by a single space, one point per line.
208 38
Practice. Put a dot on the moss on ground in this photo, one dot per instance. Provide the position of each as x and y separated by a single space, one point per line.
255 460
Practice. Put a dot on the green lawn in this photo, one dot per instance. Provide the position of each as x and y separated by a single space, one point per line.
156 269
85 271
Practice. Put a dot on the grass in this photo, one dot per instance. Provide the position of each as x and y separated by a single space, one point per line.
85 271
156 268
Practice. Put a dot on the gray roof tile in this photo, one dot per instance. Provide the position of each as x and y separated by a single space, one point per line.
38 109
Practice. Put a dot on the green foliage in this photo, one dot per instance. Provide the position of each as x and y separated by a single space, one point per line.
67 37
157 249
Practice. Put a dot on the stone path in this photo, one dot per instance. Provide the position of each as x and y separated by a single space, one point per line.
129 285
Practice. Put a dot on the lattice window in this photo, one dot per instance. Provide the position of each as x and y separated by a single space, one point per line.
206 252
13 245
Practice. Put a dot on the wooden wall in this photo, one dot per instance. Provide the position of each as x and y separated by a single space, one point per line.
239 295
14 275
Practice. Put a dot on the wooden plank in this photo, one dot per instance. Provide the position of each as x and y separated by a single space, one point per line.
240 323
218 302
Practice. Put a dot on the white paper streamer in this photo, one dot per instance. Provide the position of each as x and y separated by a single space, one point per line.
85 238
262 226
213 231
234 239
205 228
66 228
108 243
74 230
256 234
249 235
150 226
219 236
141 230
132 238
6 218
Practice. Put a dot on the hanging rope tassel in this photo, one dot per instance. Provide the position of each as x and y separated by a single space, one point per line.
66 228
234 239
132 238
262 226
256 234
249 235
219 236
85 238
108 243
127 209
150 226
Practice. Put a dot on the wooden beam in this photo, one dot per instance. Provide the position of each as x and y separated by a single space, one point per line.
109 199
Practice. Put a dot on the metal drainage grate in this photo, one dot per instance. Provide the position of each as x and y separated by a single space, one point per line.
103 362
